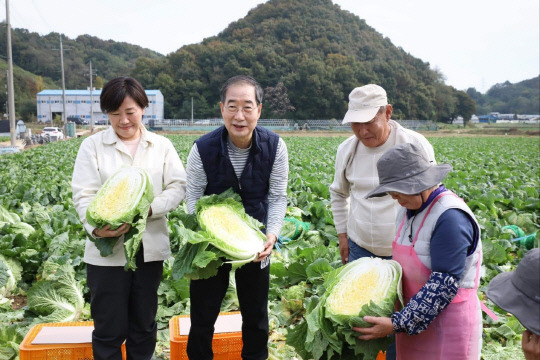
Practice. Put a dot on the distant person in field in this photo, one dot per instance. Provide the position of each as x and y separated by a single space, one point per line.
253 161
124 303
438 246
518 292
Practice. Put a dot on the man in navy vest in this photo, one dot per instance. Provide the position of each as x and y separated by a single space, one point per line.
254 162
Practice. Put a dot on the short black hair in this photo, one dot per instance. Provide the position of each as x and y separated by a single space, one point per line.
259 93
116 90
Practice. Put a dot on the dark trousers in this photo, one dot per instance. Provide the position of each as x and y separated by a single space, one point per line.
124 305
206 295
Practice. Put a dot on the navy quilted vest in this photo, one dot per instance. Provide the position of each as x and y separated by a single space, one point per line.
255 179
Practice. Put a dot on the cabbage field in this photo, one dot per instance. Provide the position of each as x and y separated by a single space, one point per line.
42 276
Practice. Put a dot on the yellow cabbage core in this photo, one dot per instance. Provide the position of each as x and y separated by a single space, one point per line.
119 196
356 289
231 229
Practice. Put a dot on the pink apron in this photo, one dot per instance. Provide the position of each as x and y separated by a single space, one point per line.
456 332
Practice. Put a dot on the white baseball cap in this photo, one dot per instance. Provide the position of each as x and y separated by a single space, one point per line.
364 103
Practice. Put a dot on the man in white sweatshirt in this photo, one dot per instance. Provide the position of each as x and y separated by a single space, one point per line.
366 227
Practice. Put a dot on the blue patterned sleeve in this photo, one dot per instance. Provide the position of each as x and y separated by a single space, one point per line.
426 305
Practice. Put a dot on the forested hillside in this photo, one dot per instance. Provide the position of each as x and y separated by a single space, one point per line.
316 50
40 55
36 62
507 98
307 54
27 85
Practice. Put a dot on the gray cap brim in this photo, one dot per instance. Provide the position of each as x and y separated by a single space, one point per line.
505 295
415 184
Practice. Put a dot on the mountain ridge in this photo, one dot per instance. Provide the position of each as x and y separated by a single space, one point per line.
310 54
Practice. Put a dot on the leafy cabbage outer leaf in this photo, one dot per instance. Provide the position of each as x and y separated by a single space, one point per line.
8 216
293 297
35 213
227 227
10 275
196 258
125 197
10 338
367 286
17 228
58 297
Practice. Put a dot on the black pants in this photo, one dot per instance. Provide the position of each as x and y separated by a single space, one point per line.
124 305
206 295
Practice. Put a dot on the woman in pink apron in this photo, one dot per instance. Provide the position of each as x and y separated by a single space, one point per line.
438 246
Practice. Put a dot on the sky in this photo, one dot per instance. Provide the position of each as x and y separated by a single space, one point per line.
473 43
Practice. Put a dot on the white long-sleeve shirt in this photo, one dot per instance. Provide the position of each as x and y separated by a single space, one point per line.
100 156
277 192
370 223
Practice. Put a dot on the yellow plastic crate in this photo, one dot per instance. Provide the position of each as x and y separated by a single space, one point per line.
226 346
29 351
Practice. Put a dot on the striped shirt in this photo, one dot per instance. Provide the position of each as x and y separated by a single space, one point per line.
277 192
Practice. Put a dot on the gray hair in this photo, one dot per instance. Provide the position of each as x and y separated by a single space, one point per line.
246 79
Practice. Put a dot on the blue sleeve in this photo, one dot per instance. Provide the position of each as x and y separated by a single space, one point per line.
452 240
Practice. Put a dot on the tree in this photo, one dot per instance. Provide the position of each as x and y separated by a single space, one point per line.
278 99
98 83
466 107
445 103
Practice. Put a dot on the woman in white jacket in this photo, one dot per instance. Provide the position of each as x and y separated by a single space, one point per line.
124 303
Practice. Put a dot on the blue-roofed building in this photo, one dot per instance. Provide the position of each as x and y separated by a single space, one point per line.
78 102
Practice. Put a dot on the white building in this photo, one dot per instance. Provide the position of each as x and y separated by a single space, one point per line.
49 104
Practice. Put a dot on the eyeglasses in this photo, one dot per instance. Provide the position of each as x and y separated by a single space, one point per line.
232 109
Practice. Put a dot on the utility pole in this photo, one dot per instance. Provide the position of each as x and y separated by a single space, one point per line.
64 117
11 91
91 100
192 109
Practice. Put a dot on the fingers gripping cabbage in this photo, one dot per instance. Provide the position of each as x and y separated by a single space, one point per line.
367 286
224 231
125 197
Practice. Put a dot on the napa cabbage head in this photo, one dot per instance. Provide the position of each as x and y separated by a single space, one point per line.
125 197
58 296
8 216
10 223
364 287
224 233
361 283
10 275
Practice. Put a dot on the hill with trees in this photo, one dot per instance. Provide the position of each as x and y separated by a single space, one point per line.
311 49
507 98
307 54
36 62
